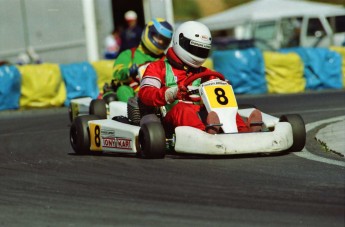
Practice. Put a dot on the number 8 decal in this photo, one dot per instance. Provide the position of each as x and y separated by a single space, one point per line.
97 136
221 98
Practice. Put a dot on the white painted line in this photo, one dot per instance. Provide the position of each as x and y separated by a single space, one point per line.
307 155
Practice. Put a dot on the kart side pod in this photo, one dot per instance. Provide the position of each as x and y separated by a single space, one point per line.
236 143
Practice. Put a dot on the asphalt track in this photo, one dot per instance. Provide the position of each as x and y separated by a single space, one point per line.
43 183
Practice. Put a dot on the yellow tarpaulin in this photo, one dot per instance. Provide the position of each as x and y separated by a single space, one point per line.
104 71
284 72
341 51
42 86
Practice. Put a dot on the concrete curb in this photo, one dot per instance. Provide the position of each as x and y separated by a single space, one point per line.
332 136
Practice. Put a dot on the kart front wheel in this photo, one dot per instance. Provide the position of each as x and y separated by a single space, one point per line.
98 107
152 140
298 131
80 135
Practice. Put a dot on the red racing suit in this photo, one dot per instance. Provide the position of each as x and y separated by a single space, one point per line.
153 87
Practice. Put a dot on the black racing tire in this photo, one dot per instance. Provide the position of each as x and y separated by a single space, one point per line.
98 107
152 141
298 131
80 134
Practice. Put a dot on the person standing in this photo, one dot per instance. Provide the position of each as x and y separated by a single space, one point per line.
112 45
131 35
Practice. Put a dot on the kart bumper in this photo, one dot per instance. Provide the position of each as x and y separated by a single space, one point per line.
79 106
194 141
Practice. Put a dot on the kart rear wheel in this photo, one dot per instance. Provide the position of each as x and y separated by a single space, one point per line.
80 135
152 140
298 131
98 107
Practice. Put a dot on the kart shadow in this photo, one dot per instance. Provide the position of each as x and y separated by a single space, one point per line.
173 155
233 156
121 155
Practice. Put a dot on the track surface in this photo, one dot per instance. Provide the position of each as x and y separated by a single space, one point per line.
44 184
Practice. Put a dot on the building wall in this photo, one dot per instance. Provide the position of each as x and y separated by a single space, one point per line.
55 29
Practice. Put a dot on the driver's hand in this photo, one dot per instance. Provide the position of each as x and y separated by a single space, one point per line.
175 93
182 93
133 71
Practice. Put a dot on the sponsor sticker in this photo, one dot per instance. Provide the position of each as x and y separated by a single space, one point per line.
105 138
198 44
107 133
204 37
117 142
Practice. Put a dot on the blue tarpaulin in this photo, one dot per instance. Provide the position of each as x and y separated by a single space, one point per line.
80 80
244 69
322 67
10 82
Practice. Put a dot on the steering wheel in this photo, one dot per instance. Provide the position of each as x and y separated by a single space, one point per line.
188 94
190 79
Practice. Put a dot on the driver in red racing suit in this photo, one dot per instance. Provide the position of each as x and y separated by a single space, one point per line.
162 83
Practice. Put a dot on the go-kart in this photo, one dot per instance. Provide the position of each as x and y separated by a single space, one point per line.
89 106
131 128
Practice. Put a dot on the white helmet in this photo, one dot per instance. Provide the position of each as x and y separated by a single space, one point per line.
192 43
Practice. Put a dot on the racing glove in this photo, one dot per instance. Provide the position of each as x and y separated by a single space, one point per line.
174 93
133 71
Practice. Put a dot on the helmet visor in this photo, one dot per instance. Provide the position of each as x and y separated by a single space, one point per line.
159 40
196 48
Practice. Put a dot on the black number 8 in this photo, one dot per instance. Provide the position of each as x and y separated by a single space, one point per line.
97 136
221 98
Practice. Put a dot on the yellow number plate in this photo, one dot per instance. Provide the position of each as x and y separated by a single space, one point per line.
220 96
95 137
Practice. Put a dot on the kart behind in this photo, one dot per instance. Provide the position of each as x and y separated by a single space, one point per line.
88 106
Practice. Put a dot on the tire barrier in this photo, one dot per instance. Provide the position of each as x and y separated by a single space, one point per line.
322 67
41 86
284 73
341 51
10 81
243 68
80 80
104 71
250 71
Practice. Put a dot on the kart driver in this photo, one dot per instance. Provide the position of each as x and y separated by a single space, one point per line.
155 39
162 83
